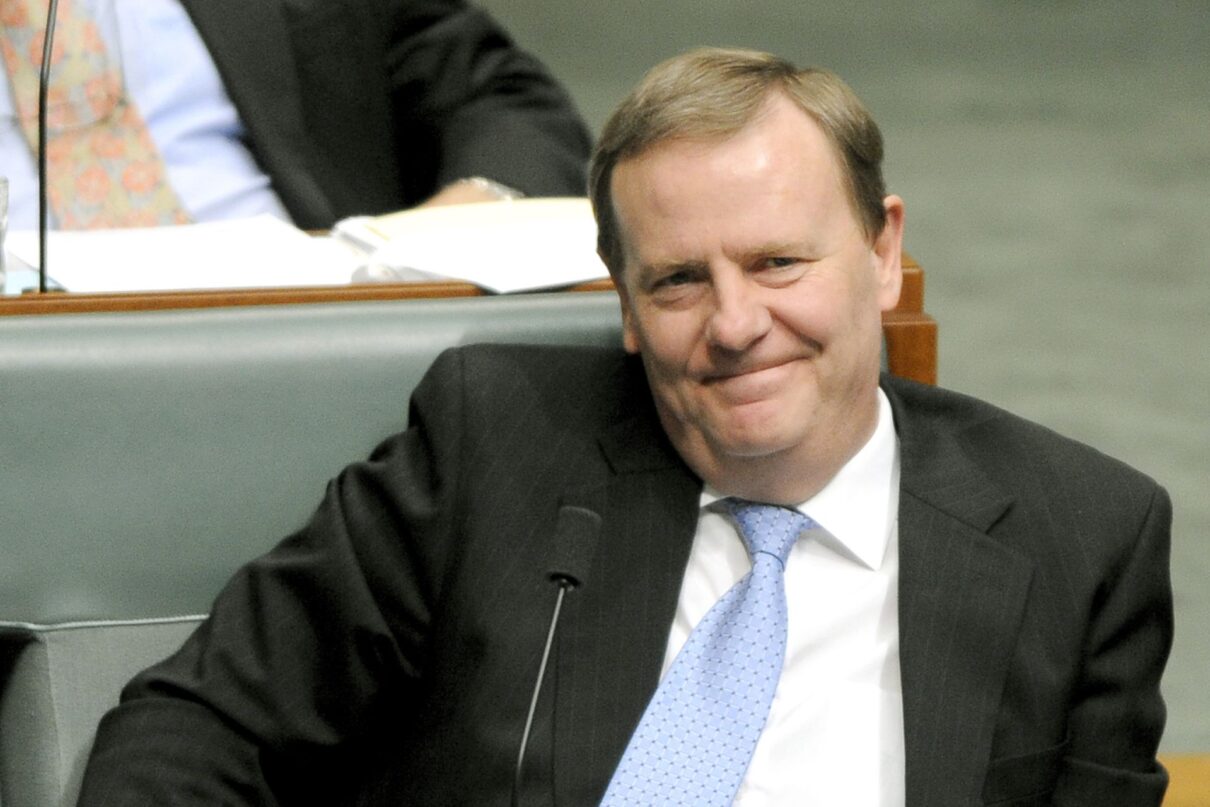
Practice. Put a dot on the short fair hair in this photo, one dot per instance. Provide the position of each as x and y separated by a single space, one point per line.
713 93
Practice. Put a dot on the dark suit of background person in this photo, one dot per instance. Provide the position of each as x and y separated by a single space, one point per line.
369 106
385 653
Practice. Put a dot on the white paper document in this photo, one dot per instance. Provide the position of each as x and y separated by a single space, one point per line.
260 252
505 246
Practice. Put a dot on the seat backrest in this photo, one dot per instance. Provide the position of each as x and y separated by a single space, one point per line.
146 455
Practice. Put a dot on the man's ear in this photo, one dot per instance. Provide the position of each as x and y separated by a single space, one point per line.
630 339
888 254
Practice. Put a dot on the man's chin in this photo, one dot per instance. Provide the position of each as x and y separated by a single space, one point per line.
747 445
754 430
741 434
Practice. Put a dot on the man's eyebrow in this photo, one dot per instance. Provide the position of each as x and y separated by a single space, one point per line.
780 248
788 247
662 268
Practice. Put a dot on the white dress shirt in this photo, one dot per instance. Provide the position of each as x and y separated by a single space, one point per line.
168 73
835 729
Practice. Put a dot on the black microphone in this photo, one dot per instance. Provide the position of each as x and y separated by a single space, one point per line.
575 542
43 87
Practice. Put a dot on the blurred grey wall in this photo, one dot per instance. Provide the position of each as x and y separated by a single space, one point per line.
1055 161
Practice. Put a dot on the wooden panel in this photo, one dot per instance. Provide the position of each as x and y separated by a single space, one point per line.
1190 780
911 345
911 297
69 303
911 334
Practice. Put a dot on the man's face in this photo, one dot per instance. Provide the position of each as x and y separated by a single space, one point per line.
754 297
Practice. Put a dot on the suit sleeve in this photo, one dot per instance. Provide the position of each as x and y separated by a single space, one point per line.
482 106
306 650
1118 714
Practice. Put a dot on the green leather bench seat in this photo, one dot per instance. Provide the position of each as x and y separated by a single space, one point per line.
145 455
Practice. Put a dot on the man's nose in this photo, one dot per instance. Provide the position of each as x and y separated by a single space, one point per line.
740 317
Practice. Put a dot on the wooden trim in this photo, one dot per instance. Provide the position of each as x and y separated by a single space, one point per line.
69 303
911 345
911 334
1189 780
911 298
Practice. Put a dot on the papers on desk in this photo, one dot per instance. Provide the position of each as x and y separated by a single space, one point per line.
240 253
507 246
500 246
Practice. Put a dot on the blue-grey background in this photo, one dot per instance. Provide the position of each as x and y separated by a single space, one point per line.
1055 161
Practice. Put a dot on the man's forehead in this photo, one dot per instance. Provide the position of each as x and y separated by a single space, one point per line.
778 110
777 180
783 152
784 145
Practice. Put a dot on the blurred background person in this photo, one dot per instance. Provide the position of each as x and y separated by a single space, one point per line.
167 111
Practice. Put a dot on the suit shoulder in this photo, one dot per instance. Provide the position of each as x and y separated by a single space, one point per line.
567 384
487 354
538 366
1007 445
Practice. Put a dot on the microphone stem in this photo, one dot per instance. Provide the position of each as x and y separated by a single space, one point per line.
564 585
43 87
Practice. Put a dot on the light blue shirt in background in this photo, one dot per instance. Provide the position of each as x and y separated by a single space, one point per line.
171 78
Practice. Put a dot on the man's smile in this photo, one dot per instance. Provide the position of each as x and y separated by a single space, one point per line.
752 383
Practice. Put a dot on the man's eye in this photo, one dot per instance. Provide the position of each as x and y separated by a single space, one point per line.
780 270
674 279
678 287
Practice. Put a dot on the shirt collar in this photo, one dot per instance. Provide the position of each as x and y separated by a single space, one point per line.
857 508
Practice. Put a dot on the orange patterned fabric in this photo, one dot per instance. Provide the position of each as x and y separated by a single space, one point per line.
103 170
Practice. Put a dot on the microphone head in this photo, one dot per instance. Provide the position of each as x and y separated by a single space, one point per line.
576 533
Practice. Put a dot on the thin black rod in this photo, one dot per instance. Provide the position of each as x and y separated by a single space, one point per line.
44 85
533 703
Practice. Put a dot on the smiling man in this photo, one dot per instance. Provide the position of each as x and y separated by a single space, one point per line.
754 295
811 584
744 219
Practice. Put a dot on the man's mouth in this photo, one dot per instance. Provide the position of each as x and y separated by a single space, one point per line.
750 384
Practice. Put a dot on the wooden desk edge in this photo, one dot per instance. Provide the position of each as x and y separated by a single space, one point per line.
911 299
70 303
911 345
911 335
1189 780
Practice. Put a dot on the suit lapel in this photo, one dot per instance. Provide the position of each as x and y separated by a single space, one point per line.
251 47
962 596
612 643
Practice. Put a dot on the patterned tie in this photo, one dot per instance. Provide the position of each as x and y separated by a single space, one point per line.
103 170
697 736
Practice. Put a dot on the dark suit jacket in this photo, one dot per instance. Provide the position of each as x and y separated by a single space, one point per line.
389 648
368 106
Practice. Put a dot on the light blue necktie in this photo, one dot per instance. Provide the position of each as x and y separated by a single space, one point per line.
697 736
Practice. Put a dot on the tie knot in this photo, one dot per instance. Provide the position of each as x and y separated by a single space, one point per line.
768 528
